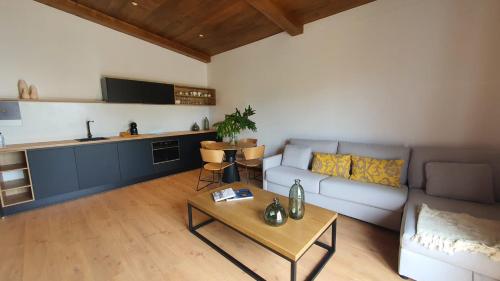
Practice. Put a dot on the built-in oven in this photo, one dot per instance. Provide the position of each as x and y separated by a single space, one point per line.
165 151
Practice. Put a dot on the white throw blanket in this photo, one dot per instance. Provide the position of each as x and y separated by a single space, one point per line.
453 232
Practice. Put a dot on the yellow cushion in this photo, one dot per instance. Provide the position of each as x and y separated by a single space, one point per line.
386 172
337 165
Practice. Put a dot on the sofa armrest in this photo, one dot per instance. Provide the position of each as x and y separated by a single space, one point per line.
268 163
271 162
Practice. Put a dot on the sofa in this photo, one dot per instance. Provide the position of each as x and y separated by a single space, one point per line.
397 208
420 263
369 202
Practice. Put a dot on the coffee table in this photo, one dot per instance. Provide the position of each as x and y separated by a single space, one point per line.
289 241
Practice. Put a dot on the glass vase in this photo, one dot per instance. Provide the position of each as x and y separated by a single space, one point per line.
275 214
296 203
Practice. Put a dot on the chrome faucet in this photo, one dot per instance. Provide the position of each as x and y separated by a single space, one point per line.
89 134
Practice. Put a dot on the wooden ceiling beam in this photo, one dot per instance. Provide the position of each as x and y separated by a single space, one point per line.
278 16
98 17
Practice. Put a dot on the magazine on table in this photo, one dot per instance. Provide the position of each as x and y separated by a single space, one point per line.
241 194
229 194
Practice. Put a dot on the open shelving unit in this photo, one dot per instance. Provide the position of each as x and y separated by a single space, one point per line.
194 96
15 179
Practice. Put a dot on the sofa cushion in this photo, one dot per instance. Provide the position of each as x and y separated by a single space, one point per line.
325 146
422 155
296 156
471 182
375 195
379 171
286 176
475 262
388 152
330 164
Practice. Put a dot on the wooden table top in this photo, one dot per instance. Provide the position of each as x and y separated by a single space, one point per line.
228 146
247 216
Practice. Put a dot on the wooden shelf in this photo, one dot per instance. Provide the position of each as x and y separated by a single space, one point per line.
14 184
194 96
19 198
13 167
16 190
56 100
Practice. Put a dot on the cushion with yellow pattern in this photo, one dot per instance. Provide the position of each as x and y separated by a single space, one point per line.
331 164
379 171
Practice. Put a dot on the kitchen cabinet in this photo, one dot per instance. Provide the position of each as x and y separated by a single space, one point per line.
53 171
190 150
97 165
64 173
132 91
136 159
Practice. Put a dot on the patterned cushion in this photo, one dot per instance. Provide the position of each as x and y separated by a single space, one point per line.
386 172
332 164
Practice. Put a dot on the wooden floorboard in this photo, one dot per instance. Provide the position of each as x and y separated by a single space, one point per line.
140 233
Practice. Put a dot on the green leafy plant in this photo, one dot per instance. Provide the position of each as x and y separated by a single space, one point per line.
236 122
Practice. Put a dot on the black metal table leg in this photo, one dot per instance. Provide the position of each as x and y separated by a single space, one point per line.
293 271
331 250
190 217
333 247
231 173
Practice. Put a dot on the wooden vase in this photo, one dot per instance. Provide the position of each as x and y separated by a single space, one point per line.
33 92
23 89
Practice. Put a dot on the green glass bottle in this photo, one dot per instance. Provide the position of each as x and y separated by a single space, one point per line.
275 214
296 203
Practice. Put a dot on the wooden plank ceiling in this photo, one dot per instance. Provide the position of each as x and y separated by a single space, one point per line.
203 28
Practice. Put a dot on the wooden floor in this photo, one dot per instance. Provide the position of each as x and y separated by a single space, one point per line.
139 233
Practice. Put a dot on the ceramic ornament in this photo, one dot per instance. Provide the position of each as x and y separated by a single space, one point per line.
33 92
23 89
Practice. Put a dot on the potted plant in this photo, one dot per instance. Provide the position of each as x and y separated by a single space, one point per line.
234 123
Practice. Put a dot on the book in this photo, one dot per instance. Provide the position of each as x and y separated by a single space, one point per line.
241 194
223 194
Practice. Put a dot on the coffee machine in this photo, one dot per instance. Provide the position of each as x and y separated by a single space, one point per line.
133 128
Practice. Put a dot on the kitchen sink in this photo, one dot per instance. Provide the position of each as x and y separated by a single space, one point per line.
91 139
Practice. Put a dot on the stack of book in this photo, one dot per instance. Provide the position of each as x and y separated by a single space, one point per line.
229 194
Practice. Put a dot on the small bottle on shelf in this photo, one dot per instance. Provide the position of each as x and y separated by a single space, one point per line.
2 140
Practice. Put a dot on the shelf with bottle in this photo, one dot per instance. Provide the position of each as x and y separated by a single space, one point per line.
194 96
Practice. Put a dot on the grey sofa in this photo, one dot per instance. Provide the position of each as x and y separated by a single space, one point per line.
420 263
372 203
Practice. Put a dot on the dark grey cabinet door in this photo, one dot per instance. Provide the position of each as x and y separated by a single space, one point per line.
53 171
136 159
190 149
97 165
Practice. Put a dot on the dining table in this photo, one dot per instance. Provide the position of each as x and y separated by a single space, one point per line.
231 173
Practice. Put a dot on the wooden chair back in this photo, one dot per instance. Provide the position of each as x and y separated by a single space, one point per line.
248 140
203 144
252 153
212 156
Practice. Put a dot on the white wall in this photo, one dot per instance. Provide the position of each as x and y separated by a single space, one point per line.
65 56
392 71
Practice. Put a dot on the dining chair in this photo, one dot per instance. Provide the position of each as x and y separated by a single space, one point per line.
212 161
204 144
252 159
249 141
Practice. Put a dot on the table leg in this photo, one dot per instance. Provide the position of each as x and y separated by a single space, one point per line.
293 271
334 237
231 173
190 217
